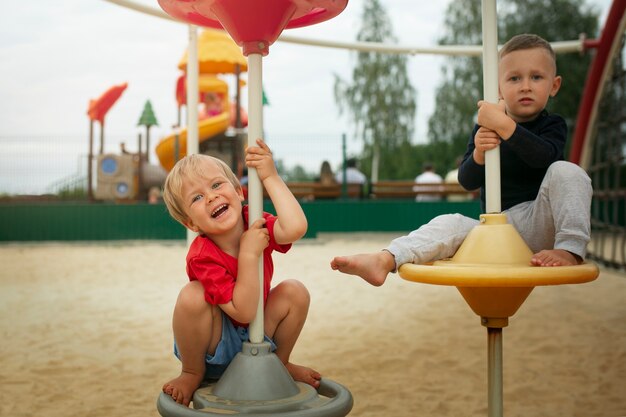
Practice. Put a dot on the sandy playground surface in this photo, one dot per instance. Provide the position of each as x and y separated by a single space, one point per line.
86 331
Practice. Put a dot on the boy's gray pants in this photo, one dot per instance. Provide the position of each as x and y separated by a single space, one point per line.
559 218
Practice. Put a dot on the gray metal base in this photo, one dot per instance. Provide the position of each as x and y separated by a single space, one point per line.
495 383
257 383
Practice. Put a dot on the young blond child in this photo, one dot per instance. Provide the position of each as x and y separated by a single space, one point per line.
545 198
213 310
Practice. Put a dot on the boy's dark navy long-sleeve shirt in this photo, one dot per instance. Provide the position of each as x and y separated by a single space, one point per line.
524 159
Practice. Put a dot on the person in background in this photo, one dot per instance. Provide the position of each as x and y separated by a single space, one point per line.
154 195
452 177
353 175
213 104
210 106
355 180
326 174
424 187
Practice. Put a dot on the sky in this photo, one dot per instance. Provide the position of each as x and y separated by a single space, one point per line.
57 55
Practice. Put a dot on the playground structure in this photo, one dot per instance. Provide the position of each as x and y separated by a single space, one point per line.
124 176
210 127
129 176
220 128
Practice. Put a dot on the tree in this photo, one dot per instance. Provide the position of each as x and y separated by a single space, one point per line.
147 119
380 99
558 20
462 87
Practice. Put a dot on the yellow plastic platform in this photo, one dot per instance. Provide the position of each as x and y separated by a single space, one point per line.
492 270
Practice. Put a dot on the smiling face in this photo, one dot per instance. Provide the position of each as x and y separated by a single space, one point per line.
211 202
527 79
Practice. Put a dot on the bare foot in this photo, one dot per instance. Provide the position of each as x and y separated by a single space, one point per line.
555 257
372 267
304 374
182 388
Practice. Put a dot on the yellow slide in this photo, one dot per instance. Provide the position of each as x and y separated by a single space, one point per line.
166 150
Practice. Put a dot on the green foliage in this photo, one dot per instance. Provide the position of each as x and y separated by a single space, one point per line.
456 98
72 194
556 20
296 173
380 98
405 162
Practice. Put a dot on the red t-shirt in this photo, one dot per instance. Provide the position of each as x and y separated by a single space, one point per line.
217 270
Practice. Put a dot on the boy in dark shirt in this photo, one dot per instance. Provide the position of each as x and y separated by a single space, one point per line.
545 198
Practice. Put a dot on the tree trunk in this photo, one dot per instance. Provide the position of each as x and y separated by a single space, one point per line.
375 161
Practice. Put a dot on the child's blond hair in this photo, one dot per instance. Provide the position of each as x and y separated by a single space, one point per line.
191 165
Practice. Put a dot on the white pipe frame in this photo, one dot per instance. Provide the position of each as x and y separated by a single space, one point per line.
447 50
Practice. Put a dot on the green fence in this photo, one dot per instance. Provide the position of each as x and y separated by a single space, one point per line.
26 222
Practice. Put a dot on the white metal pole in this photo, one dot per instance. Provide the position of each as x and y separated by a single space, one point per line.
490 89
255 188
192 102
492 189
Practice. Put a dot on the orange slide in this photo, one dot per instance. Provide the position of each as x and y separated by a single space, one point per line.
169 151
217 54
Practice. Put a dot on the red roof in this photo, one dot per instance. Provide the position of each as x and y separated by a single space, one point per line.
99 107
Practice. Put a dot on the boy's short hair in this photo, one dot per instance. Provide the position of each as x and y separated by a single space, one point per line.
190 165
526 41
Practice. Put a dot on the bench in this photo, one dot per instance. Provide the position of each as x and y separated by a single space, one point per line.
317 191
409 189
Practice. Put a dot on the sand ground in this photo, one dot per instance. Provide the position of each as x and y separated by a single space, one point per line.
86 331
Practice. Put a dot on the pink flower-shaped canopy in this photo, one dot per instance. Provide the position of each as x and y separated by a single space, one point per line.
253 24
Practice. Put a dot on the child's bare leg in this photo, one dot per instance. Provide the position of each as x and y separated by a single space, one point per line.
372 267
285 314
197 329
555 257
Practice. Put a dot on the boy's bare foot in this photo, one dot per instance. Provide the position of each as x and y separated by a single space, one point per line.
304 374
372 267
555 257
182 388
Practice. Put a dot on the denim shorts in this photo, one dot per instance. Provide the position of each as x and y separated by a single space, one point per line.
229 345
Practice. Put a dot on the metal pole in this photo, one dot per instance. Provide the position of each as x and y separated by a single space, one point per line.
255 188
239 131
101 137
147 144
495 406
492 187
90 163
490 89
139 194
192 102
344 156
